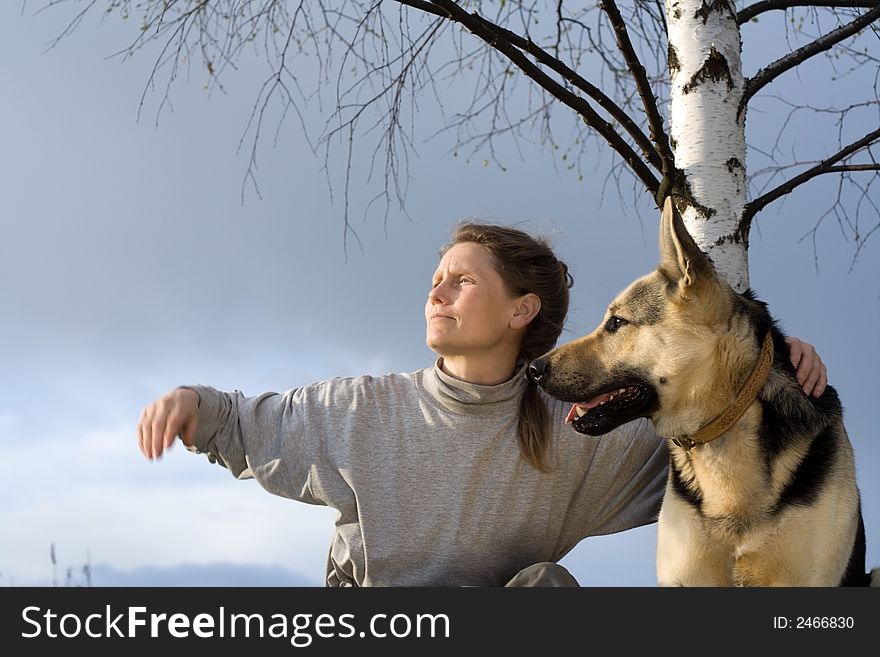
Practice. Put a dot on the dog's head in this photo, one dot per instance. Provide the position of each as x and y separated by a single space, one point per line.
656 350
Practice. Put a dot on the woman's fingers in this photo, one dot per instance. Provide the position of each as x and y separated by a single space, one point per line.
172 415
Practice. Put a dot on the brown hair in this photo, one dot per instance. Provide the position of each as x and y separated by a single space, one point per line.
527 264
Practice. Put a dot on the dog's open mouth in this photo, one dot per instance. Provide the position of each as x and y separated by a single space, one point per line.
612 408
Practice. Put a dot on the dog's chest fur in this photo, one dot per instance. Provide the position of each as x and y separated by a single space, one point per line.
738 481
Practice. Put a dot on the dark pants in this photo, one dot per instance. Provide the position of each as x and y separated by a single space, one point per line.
545 573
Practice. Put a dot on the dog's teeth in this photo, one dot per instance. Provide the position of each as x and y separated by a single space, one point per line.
616 393
580 411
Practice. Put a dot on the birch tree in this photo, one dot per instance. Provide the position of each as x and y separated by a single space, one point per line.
661 88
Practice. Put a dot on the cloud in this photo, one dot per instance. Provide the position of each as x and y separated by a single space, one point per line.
184 574
90 492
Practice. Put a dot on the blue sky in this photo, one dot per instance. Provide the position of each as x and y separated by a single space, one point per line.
129 264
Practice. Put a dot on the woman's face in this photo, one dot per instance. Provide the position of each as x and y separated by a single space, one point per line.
469 308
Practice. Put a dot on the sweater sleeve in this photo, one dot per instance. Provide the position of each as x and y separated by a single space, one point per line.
627 478
641 469
282 440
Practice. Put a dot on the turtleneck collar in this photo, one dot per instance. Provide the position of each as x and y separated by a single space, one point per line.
471 398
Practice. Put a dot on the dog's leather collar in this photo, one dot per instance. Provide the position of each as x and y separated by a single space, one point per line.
724 420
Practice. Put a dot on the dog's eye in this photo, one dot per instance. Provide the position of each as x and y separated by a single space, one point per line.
614 322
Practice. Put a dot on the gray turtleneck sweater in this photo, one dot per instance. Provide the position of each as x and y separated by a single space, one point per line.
426 474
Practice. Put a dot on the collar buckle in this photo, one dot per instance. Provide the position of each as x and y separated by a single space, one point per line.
685 443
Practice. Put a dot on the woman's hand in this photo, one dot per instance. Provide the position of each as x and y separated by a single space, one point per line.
811 371
174 414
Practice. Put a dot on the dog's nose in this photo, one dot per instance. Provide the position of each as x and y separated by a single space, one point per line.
538 369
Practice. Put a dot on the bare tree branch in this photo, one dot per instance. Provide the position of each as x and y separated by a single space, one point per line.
484 30
71 26
848 221
748 13
421 5
825 166
568 74
820 45
350 109
655 120
852 167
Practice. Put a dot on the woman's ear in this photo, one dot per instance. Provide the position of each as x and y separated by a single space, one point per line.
527 307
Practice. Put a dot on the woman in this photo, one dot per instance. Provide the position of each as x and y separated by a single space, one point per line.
461 474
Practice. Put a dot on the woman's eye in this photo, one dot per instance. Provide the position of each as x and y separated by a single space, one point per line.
465 279
614 322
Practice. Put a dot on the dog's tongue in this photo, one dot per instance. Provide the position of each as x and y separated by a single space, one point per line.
587 405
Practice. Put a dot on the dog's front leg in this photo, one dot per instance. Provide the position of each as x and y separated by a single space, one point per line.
686 555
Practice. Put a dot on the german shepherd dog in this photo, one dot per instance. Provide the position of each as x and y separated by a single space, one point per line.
762 488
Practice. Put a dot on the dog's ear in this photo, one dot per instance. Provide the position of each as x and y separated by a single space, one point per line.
681 260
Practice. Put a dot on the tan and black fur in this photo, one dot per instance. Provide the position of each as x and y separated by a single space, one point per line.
772 501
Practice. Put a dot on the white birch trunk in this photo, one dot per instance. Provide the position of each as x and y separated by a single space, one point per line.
708 133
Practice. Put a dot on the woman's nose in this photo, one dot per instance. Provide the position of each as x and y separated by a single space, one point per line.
437 295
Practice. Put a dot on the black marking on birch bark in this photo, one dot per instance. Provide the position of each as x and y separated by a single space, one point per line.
674 61
734 238
681 193
719 6
674 143
735 167
714 68
676 11
684 197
